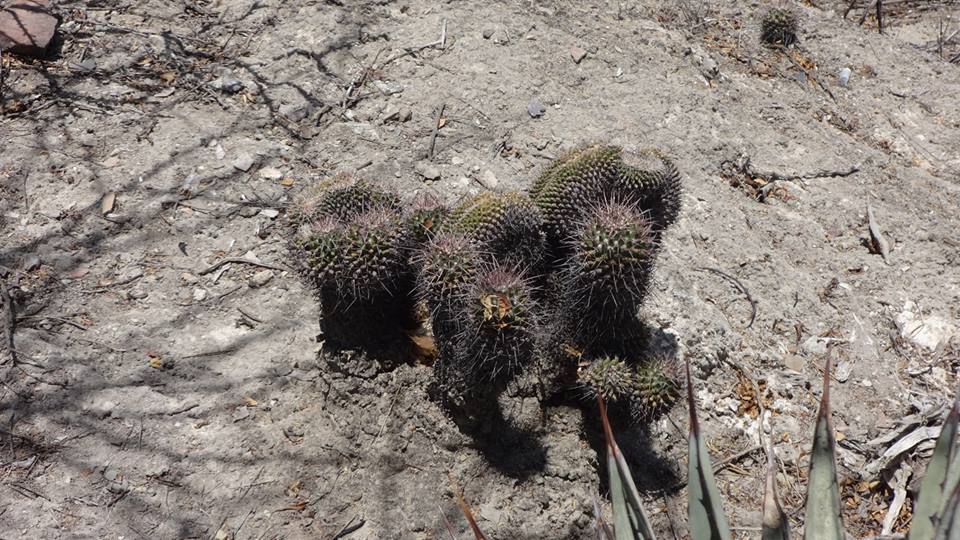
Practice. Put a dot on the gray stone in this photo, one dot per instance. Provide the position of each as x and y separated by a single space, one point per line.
578 54
199 295
388 88
270 173
488 33
427 170
270 213
405 114
243 162
137 294
261 278
31 262
535 108
488 180
227 85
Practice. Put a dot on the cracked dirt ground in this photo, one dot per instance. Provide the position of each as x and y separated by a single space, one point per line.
151 399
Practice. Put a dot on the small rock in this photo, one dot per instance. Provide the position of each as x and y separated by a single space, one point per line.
219 151
391 113
189 278
388 88
406 114
793 362
137 294
488 33
535 108
86 66
261 278
925 330
103 409
31 262
456 160
199 295
427 170
488 180
844 76
578 54
249 211
270 213
270 173
815 345
243 162
111 474
227 85
242 413
27 27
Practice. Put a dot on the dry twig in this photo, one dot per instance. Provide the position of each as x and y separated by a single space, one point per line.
436 129
877 241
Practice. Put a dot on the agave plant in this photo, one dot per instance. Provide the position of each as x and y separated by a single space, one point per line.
936 512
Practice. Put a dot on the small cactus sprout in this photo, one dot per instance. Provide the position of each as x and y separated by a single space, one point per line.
779 27
342 197
567 189
506 226
317 246
499 323
609 377
611 259
424 218
652 180
657 388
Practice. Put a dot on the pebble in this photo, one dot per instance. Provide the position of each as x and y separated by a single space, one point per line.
535 108
270 213
427 170
31 262
844 76
243 162
111 474
249 211
189 278
488 33
199 295
578 54
406 114
270 173
137 294
388 88
261 278
489 180
227 85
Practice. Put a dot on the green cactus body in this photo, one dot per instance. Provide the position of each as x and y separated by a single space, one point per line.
446 265
341 197
424 218
779 27
567 189
317 247
499 324
610 378
653 182
505 226
657 389
611 260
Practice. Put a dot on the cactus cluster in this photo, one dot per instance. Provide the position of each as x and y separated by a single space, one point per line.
511 283
779 26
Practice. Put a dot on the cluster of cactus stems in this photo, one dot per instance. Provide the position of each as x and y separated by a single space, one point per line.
779 26
551 279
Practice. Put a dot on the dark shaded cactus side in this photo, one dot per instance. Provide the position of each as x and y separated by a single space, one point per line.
779 26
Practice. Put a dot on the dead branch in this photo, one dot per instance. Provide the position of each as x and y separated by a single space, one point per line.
436 129
878 242
239 260
8 320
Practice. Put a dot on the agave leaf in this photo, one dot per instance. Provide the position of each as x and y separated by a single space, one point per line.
949 527
604 532
630 521
707 520
935 484
823 520
775 523
477 533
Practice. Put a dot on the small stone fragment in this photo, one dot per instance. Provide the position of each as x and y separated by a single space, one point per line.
388 88
31 262
249 211
199 295
535 108
427 170
270 213
405 115
488 180
488 33
137 294
243 162
189 278
261 278
578 54
270 173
